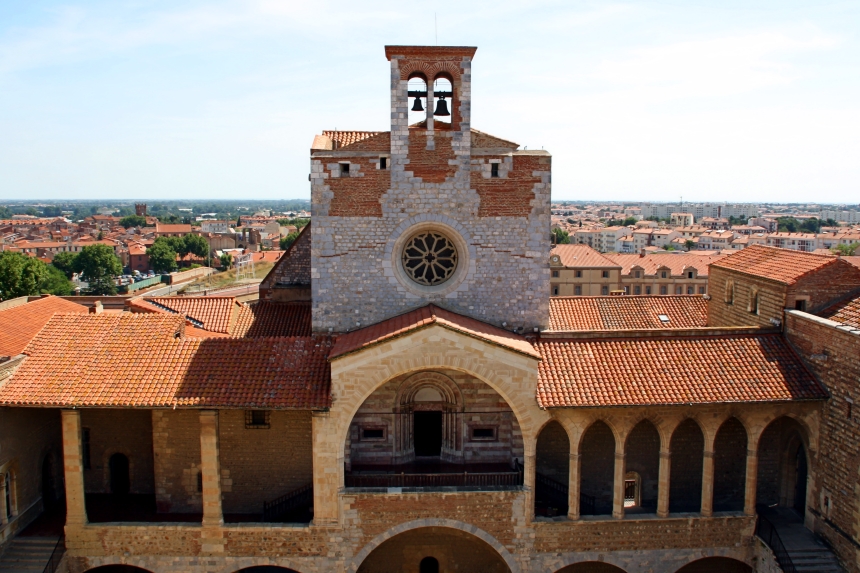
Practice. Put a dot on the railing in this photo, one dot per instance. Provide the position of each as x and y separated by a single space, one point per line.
587 504
465 479
56 556
274 510
550 490
765 531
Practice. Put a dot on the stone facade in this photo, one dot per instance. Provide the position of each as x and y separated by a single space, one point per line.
434 178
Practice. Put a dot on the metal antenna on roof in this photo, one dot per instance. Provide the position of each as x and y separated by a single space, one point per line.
436 27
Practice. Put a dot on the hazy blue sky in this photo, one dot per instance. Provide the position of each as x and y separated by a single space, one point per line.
716 100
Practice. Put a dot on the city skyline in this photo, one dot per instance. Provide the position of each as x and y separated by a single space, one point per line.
715 102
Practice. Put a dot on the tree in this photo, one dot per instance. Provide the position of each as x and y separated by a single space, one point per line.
845 250
194 244
99 266
132 221
101 236
162 255
226 260
20 275
286 242
65 262
629 221
56 282
690 244
561 237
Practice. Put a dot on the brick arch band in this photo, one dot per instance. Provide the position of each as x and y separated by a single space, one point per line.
430 69
433 522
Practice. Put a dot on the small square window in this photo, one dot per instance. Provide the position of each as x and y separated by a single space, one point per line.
637 290
494 169
577 274
577 290
689 274
647 290
663 274
664 290
344 169
257 419
605 274
484 434
383 163
702 290
373 434
555 274
604 290
637 274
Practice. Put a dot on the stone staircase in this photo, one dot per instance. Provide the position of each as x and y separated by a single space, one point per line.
27 554
820 560
808 553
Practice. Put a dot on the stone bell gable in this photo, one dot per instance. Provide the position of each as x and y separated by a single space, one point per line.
480 201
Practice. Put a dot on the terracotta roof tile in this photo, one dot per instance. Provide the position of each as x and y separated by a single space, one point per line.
345 138
213 313
145 360
19 324
582 256
423 317
781 265
678 370
677 263
267 318
846 312
627 312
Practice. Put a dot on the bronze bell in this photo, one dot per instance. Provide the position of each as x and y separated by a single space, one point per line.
442 107
417 106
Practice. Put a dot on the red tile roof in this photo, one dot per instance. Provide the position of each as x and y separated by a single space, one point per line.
678 370
422 318
846 312
345 138
213 313
167 228
627 312
19 324
144 360
582 256
677 263
266 318
780 265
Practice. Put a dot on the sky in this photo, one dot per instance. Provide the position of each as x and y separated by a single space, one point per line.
725 100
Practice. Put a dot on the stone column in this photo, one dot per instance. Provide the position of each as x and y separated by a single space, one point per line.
708 478
327 468
73 468
210 466
573 483
529 480
663 485
618 490
751 481
3 519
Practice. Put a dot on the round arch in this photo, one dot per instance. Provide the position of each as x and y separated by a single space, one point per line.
266 569
783 464
715 565
118 568
591 567
471 530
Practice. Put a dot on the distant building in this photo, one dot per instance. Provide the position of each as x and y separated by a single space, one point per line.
681 220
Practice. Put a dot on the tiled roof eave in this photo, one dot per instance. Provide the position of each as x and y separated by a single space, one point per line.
681 404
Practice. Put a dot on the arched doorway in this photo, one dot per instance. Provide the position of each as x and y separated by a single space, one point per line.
444 548
642 468
119 474
730 466
552 470
118 569
597 470
266 569
782 466
716 565
687 449
591 567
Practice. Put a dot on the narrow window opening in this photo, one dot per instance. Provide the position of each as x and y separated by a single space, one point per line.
555 274
483 433
257 419
344 169
200 481
8 479
604 290
383 163
494 169
372 434
606 274
578 274
800 305
577 290
664 290
555 291
85 448
647 290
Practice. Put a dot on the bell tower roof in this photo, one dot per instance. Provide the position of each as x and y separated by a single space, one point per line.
430 52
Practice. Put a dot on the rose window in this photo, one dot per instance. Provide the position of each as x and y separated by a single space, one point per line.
430 258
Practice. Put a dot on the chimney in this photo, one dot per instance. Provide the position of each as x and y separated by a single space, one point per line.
97 307
641 252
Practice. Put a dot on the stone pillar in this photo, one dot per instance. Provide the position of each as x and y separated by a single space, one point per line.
618 490
663 483
751 481
708 480
212 534
327 468
3 519
573 483
529 480
73 468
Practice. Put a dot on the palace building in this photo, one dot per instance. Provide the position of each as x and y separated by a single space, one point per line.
405 398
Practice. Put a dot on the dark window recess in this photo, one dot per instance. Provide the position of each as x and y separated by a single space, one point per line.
483 433
200 481
555 291
578 274
383 163
85 448
257 419
494 169
372 433
344 169
800 305
690 275
427 433
555 274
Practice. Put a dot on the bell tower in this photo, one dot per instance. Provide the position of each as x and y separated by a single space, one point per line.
430 212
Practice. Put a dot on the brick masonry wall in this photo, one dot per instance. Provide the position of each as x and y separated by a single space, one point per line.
176 451
685 477
126 432
772 300
359 194
27 437
553 452
822 287
831 353
730 451
258 465
512 195
354 275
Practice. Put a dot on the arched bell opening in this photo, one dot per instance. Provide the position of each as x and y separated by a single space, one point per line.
444 112
419 98
552 471
642 468
433 428
783 467
687 449
730 459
